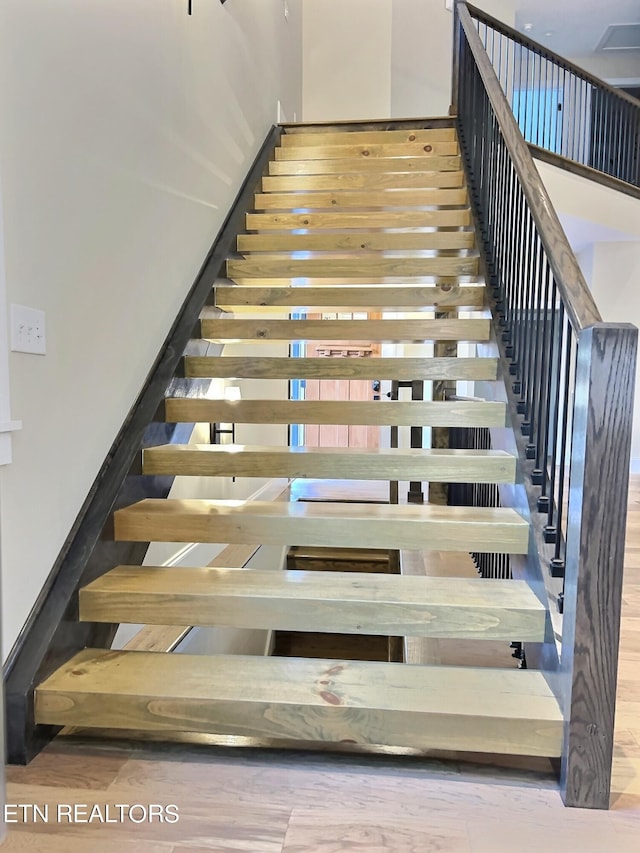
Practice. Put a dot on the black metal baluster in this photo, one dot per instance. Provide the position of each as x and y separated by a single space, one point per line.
557 563
530 424
543 395
553 419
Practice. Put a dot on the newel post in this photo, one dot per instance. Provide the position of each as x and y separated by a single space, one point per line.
455 65
600 455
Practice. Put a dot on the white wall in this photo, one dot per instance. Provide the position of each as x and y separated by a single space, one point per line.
346 59
422 46
613 65
612 271
127 128
380 58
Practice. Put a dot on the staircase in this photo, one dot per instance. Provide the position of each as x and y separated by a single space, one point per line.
347 221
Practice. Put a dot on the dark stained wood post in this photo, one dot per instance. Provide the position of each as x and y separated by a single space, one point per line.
455 64
600 454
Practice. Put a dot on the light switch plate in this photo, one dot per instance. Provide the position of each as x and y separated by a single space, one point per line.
27 330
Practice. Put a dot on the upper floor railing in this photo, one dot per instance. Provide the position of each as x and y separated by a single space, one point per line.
561 108
570 380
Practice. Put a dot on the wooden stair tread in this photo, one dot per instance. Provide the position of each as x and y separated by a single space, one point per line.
357 241
307 644
363 267
367 137
370 413
340 368
508 711
307 523
349 219
363 181
348 199
337 602
345 330
393 298
348 163
368 152
457 466
308 552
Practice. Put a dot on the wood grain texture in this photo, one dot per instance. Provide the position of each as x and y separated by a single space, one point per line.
345 268
358 525
162 637
367 152
347 219
325 296
362 181
368 137
358 240
211 460
398 165
347 799
384 703
345 330
340 368
335 602
345 200
605 379
309 559
375 413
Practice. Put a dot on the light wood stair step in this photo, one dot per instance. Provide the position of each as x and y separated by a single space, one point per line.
249 269
410 527
368 137
211 460
335 559
356 164
238 367
460 708
368 152
362 181
334 602
345 330
341 200
357 240
247 297
342 647
346 219
350 412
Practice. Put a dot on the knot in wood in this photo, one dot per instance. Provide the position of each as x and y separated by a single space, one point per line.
428 148
412 137
262 333
365 153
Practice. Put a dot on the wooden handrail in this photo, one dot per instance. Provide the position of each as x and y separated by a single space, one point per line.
547 53
578 301
583 171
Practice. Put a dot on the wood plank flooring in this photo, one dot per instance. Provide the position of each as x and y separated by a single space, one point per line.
279 801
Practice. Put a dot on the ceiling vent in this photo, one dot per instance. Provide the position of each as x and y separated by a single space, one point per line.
620 37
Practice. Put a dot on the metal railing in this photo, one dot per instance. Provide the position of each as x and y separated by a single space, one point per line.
489 565
560 107
571 380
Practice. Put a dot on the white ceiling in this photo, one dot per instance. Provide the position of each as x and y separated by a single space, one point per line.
575 26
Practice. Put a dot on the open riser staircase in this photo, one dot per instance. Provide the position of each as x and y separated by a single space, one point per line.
346 221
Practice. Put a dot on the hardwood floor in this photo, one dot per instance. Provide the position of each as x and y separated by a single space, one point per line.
286 801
